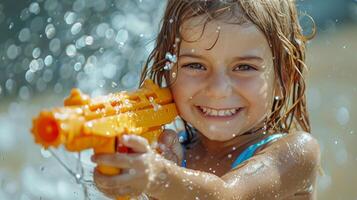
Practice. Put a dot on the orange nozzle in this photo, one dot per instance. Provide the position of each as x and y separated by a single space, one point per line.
46 130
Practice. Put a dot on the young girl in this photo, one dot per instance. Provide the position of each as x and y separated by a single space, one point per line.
239 88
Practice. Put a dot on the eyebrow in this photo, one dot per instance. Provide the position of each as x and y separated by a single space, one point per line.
240 58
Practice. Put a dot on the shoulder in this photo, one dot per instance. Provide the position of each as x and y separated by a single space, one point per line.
287 166
299 149
295 141
304 144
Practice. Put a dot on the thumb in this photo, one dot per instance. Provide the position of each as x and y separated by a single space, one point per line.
168 138
170 146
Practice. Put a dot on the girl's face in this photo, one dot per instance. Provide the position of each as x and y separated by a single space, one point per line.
227 90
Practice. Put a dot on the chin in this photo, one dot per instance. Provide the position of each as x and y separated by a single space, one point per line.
217 136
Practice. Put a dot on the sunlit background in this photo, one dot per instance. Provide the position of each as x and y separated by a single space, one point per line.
48 47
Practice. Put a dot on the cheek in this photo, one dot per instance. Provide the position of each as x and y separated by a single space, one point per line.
256 92
181 96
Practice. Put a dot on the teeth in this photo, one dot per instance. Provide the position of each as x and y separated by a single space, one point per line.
213 112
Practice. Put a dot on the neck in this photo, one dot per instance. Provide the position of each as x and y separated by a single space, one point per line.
240 142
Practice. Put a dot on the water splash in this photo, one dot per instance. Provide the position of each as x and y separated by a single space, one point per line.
155 105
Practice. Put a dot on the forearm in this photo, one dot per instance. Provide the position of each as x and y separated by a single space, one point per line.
175 182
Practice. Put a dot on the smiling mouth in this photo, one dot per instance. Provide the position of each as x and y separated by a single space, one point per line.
218 113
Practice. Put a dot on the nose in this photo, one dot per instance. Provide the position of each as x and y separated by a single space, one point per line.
218 86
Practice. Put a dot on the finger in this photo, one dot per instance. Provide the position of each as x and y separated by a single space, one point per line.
119 160
168 138
136 143
110 182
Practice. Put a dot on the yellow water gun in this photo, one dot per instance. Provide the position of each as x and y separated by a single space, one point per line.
96 123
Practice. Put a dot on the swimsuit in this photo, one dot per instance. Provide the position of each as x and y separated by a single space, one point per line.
245 155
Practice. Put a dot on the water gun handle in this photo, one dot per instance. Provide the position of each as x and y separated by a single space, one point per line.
109 148
113 146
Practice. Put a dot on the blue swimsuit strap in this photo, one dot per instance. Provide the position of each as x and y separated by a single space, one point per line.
245 155
249 152
183 137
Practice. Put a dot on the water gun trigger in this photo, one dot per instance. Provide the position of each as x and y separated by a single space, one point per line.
123 149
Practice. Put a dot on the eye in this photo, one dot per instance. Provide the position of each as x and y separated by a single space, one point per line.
194 66
244 67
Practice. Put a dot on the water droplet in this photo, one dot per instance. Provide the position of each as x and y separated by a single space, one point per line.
70 17
114 84
34 65
122 36
25 14
29 76
48 60
101 29
229 155
50 31
11 25
45 153
78 177
77 66
36 52
34 8
13 51
181 139
173 75
168 66
170 57
109 34
24 93
89 40
47 75
162 176
55 45
71 50
171 21
76 28
25 35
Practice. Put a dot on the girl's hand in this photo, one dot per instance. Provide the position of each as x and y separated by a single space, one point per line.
170 147
140 169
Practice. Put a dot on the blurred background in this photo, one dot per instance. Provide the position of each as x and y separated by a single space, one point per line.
48 47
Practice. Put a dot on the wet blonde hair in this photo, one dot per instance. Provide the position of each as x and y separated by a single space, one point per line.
278 21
